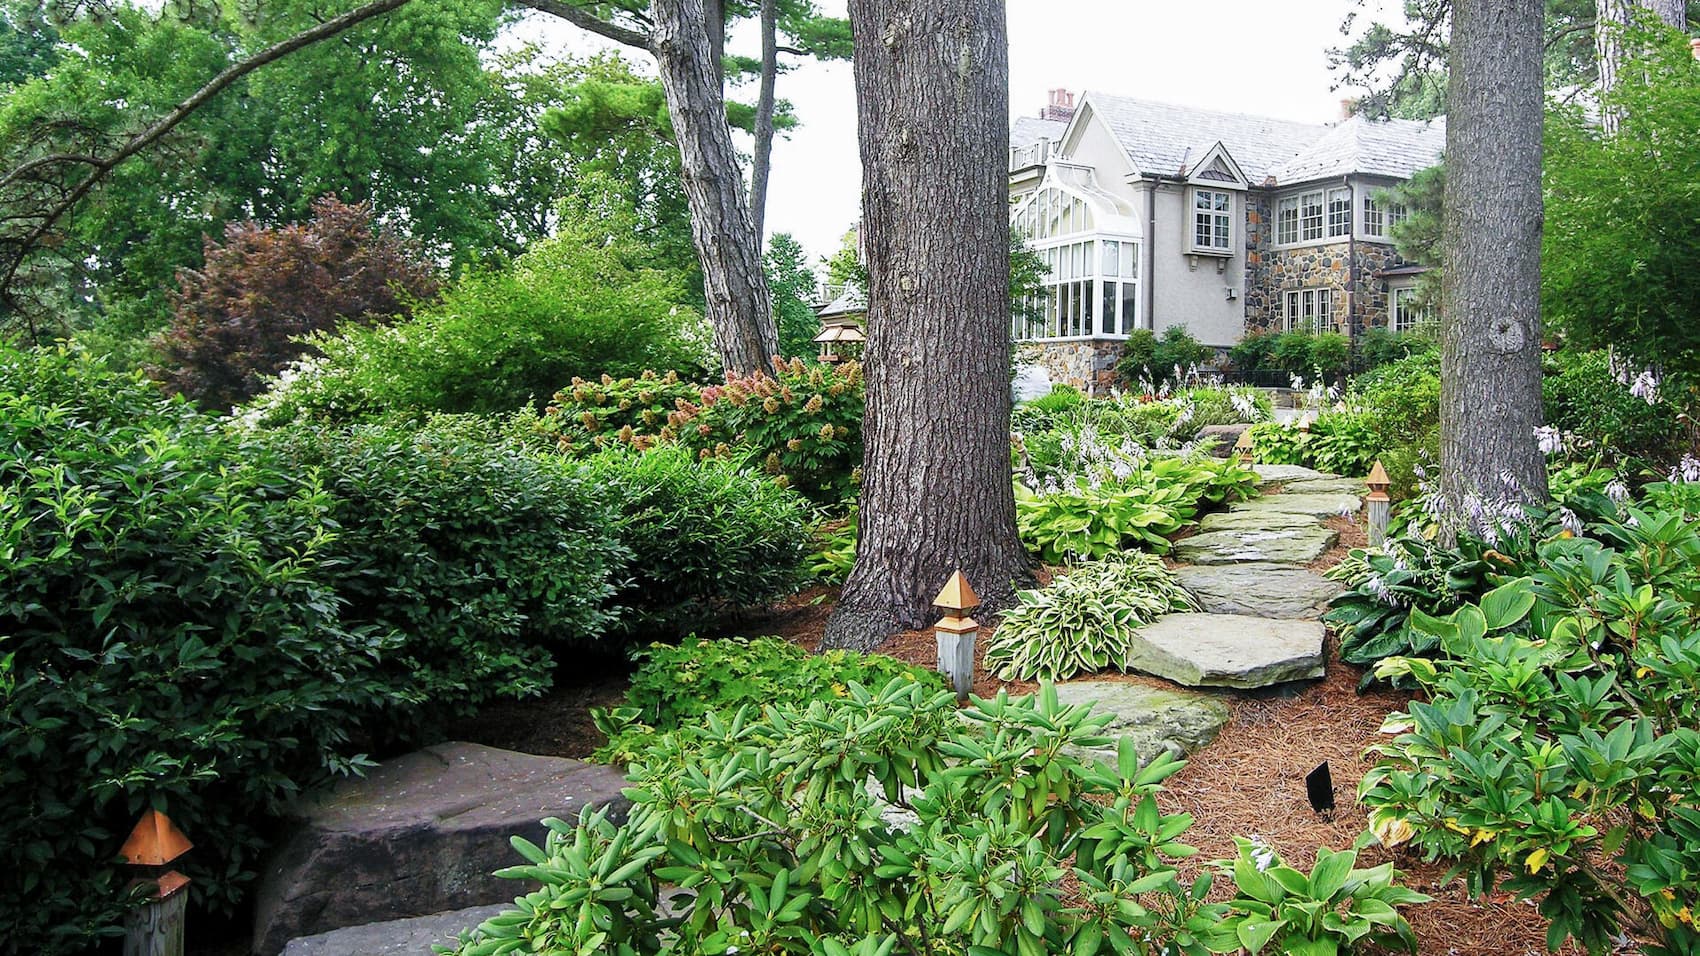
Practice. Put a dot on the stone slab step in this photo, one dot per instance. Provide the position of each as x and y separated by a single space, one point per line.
405 937
1154 718
419 834
1291 546
1260 590
1228 650
1281 474
1264 520
1327 486
1318 505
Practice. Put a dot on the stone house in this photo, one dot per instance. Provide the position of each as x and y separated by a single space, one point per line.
1151 215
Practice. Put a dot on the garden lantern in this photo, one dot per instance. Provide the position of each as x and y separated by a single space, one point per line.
1380 505
832 335
1243 446
956 633
155 928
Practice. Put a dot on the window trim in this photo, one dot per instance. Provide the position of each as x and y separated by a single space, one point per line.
1085 277
1196 215
1315 230
1318 300
1394 295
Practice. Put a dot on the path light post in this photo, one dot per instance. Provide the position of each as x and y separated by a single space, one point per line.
1244 446
956 633
1380 505
155 928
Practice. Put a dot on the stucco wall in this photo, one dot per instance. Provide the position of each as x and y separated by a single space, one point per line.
1190 290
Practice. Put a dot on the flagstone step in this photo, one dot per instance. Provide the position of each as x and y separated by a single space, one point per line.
1228 650
404 937
1281 474
1155 719
1283 545
1259 590
1317 505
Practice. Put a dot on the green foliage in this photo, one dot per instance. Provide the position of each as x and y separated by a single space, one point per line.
475 556
706 538
1418 238
835 549
1378 346
677 686
170 639
1332 909
771 826
574 305
1084 621
1065 436
1082 520
1555 754
1621 234
791 281
1148 358
1604 421
802 424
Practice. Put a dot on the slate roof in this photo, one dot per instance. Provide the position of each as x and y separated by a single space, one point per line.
1164 139
1027 130
1394 147
1167 139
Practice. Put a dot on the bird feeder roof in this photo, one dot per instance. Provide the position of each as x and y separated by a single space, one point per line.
155 841
957 595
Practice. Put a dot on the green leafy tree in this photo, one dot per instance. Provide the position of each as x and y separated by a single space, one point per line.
1623 220
793 285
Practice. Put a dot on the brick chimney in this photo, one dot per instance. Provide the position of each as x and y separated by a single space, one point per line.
1060 107
1348 108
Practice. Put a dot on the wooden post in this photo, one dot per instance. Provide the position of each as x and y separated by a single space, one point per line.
1380 505
155 928
956 634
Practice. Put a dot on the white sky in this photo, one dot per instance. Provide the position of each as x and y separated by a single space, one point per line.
1267 57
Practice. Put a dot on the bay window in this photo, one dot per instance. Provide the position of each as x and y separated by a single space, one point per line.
1212 220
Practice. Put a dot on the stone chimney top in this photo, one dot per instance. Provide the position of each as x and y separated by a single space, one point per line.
1060 106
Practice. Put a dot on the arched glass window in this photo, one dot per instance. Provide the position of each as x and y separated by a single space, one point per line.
1090 246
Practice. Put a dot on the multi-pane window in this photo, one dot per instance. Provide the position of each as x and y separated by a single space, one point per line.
1381 217
1409 312
1310 216
1287 220
1212 220
1091 288
1308 309
1339 212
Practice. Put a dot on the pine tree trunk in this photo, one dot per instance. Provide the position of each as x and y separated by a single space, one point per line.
1672 13
932 90
1611 20
763 160
733 282
1490 400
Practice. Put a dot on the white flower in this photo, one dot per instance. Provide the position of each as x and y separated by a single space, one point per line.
1646 386
1262 854
1617 491
1244 406
1549 440
1686 472
1568 519
1298 383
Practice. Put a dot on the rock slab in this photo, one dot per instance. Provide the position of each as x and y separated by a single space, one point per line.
1326 486
1228 650
1259 590
1281 474
407 937
1292 546
1300 503
1156 719
420 834
1256 521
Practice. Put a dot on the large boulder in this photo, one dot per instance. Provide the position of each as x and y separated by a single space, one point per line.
420 834
1280 545
1225 436
407 937
1228 650
1260 590
1156 719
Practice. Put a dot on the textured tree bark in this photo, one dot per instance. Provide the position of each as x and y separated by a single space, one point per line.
733 282
1490 398
932 90
1611 19
1673 13
762 162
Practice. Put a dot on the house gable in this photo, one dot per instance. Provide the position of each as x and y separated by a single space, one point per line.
1216 167
1090 141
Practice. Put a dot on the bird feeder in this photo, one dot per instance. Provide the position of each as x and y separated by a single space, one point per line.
155 928
1244 447
1380 505
956 634
834 335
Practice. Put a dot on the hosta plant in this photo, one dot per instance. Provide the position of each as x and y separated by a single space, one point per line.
1083 622
1083 523
1332 909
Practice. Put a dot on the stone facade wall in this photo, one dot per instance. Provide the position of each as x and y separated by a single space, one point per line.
1273 272
1086 364
1259 226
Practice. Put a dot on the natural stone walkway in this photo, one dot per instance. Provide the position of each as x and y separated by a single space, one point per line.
1260 604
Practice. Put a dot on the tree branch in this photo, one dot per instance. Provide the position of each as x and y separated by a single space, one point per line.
583 19
165 124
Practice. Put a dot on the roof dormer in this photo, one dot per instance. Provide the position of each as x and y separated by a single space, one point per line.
1215 167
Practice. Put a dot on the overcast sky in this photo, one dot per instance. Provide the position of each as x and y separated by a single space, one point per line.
1268 57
